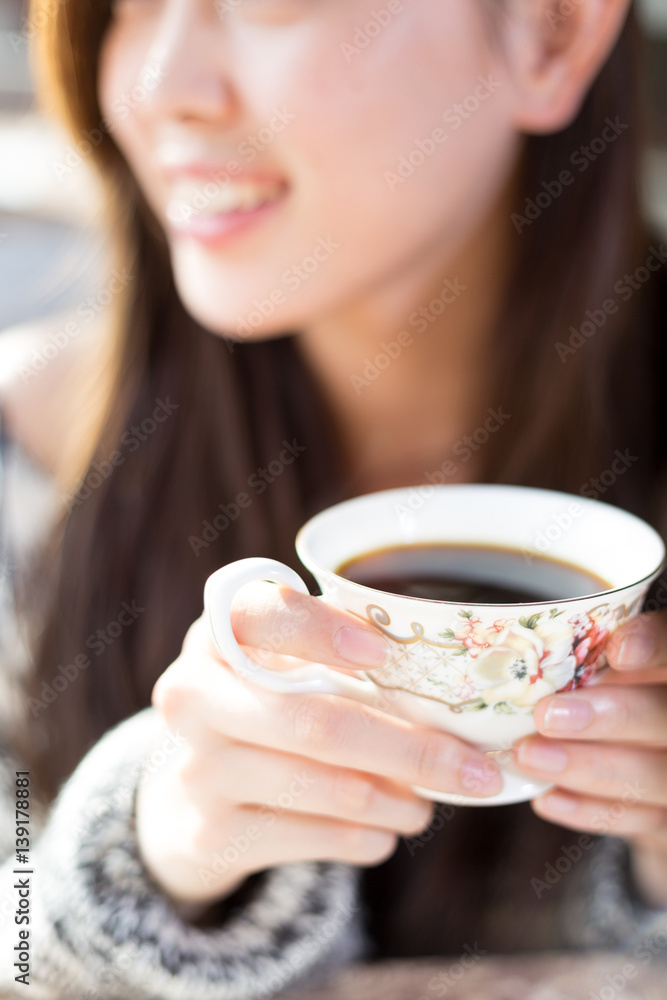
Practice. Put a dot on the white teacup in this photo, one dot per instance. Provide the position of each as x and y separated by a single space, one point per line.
475 670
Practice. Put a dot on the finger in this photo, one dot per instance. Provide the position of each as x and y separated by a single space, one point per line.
274 618
273 660
606 711
610 676
199 640
605 817
263 838
606 769
640 644
197 692
298 784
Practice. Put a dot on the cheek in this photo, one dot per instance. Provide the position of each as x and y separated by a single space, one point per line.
124 81
408 136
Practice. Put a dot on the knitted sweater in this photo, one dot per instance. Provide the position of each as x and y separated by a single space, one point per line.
99 927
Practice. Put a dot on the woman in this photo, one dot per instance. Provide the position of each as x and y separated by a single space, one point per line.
295 184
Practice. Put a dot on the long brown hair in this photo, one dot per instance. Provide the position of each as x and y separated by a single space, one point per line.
128 538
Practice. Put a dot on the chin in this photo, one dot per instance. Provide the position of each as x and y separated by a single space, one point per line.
220 322
236 316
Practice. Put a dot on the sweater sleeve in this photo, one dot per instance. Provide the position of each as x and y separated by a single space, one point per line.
602 909
101 928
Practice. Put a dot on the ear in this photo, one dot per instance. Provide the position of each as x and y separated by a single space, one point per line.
554 49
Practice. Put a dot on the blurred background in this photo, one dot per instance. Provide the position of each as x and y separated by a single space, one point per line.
51 242
52 247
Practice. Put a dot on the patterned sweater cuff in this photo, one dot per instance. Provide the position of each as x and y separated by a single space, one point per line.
102 928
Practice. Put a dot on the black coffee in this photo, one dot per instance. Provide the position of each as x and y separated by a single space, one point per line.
470 574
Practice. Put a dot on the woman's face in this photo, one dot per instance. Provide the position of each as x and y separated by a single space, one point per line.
303 155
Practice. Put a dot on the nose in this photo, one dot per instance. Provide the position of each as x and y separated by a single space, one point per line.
188 60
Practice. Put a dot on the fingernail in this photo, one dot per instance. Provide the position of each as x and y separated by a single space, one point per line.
568 714
557 803
479 775
360 646
543 756
636 650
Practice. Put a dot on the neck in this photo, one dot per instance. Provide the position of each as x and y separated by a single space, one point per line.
406 370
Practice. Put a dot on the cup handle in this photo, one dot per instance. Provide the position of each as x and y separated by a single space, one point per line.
219 593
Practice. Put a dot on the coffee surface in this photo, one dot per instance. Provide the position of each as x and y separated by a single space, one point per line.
470 574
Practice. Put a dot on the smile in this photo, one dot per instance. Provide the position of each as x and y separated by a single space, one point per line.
189 198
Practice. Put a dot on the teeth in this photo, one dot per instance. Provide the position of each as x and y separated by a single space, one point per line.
189 198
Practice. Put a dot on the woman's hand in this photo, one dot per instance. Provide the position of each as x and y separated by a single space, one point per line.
605 747
268 778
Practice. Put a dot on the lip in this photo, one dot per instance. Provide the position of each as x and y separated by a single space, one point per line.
219 227
216 171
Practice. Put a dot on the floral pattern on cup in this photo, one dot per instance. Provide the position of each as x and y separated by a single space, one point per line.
525 664
505 665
